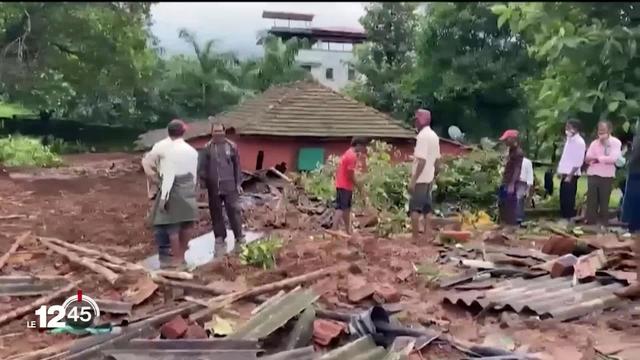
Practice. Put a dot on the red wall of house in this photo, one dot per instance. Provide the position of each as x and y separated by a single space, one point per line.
285 149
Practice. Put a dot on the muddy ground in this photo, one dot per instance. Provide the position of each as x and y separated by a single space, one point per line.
99 201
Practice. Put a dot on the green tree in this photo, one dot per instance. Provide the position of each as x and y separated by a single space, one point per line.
590 56
80 60
469 71
277 65
387 57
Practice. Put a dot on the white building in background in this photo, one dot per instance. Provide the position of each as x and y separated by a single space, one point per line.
331 51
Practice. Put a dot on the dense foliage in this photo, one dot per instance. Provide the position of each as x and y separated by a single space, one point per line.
26 151
466 183
98 62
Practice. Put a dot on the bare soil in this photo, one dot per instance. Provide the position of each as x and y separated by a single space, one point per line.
99 201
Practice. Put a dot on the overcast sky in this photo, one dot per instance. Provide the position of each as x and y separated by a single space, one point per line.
235 25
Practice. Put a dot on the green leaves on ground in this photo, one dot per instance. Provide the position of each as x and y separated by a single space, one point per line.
25 151
261 253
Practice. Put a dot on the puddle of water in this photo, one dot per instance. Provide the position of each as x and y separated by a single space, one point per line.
202 249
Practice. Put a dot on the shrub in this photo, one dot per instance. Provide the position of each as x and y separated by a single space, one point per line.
261 253
26 151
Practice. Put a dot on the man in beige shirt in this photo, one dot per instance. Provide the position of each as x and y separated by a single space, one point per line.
424 170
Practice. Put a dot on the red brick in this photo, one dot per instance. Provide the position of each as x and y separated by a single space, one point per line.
195 331
386 293
563 266
559 245
325 331
358 288
174 329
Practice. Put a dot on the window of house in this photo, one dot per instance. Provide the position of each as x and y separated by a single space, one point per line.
351 73
329 73
306 68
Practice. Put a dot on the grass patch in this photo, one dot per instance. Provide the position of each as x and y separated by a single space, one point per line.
26 151
9 109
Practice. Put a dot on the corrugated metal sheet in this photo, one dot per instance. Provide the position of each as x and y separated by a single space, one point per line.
129 354
544 296
362 349
276 314
29 286
305 353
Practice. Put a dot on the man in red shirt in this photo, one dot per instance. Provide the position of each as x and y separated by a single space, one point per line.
345 181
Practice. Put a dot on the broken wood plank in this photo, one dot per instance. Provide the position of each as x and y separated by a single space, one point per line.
186 285
99 254
23 310
280 175
75 258
14 247
180 275
221 301
12 217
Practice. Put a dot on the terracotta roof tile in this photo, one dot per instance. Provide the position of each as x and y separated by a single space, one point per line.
303 108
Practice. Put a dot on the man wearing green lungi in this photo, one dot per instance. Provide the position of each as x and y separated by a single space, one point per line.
174 163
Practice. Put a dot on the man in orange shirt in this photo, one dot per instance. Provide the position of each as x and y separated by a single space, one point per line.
345 181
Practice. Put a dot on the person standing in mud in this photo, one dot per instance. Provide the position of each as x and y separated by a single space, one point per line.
219 172
426 157
510 190
631 208
174 163
345 182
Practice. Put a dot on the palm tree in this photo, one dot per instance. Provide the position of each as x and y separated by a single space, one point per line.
278 64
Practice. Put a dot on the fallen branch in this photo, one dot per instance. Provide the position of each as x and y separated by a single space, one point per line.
100 254
74 258
222 301
186 285
13 248
23 310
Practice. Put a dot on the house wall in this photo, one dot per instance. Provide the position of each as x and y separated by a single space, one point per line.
285 149
320 60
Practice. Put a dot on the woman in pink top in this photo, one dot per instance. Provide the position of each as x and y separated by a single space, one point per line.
601 157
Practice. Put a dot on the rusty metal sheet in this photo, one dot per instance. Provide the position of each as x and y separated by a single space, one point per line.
28 285
276 314
543 296
141 354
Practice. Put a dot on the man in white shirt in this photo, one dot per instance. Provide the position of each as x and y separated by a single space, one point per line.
174 164
524 186
424 170
571 161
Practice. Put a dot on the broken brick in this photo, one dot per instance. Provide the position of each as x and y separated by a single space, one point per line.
386 293
358 288
559 245
174 329
195 331
587 265
563 266
325 331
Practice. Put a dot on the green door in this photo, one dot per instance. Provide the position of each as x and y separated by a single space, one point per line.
310 159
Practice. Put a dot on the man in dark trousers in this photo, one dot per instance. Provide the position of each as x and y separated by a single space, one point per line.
569 168
510 179
219 172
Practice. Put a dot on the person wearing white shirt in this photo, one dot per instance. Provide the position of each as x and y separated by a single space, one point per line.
524 186
569 166
425 167
173 163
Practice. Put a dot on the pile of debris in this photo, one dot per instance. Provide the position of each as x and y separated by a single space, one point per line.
568 278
